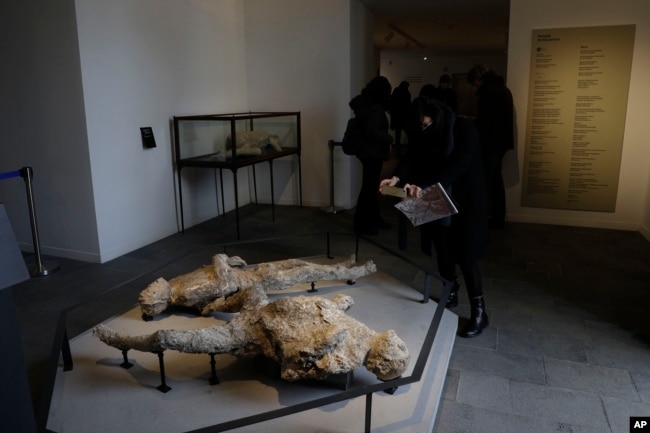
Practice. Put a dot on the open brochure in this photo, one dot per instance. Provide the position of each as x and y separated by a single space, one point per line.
434 204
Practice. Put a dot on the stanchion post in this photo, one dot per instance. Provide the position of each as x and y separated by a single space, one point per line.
39 268
331 209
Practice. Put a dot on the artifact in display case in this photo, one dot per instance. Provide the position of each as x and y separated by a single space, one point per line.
209 139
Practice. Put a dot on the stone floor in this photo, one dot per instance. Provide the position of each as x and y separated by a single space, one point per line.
567 349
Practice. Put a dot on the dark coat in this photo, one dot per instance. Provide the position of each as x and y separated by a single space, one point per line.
495 115
400 102
455 161
376 138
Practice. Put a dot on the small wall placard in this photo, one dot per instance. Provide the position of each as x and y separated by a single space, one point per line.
148 140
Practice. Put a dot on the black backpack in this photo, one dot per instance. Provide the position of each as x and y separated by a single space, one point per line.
353 137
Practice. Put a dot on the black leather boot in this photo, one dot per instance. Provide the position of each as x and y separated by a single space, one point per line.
478 320
452 301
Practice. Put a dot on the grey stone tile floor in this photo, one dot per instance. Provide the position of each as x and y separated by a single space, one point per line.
567 349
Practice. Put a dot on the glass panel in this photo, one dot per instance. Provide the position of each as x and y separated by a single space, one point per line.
208 137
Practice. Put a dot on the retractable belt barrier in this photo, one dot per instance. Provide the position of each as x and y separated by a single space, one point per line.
9 174
39 268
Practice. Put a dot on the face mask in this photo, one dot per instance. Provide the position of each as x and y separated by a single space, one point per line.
425 121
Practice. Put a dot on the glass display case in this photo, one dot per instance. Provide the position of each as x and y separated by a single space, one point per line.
235 140
239 139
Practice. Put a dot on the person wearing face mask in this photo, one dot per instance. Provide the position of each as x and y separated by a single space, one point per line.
446 150
446 94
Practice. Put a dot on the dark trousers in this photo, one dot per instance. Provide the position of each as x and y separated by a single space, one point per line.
447 258
367 214
496 192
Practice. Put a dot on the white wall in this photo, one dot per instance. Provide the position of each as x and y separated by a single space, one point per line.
300 60
42 125
73 104
364 61
143 62
632 208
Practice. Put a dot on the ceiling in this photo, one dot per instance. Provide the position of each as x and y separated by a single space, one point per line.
441 27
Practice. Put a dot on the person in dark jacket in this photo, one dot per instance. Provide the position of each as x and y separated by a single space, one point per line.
446 93
447 150
370 107
400 102
495 124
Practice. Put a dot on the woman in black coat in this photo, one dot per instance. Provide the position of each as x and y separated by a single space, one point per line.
446 149
370 108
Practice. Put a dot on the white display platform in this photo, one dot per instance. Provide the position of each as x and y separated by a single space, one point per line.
98 395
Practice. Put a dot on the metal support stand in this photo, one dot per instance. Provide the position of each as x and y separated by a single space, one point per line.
331 209
391 391
216 189
272 189
329 254
236 187
39 268
214 380
341 381
356 249
163 384
368 412
427 288
255 182
126 364
223 197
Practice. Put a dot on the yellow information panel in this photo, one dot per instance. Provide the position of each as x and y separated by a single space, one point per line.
577 101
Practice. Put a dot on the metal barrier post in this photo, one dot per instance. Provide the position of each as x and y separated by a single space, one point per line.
331 209
39 268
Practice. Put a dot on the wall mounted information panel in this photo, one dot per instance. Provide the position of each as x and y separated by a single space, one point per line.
235 140
577 102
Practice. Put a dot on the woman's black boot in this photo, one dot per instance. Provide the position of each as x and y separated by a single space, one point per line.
452 301
478 319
